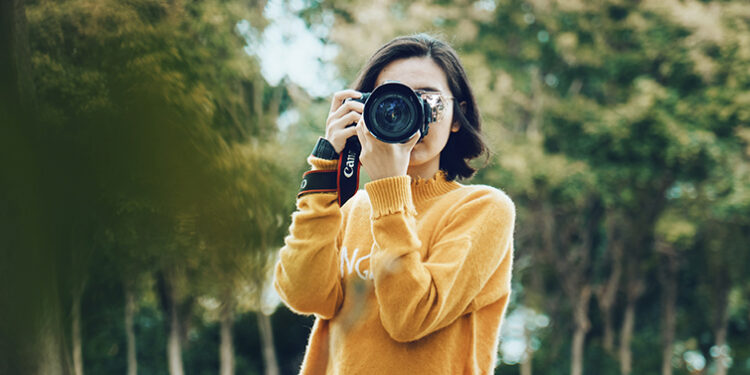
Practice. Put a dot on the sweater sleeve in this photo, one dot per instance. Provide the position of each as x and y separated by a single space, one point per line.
467 266
306 275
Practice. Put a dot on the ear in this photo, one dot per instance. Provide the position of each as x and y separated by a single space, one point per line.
456 126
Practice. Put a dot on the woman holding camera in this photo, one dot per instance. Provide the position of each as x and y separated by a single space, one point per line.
411 275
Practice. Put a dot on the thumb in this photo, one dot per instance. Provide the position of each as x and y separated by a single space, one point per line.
414 139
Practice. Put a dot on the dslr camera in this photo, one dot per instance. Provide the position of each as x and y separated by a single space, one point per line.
394 112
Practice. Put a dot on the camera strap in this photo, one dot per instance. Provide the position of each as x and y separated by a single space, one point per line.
347 181
318 181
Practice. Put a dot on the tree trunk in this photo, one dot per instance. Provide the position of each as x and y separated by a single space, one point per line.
526 364
167 288
668 280
607 293
609 331
576 364
668 330
582 326
606 297
721 332
174 347
226 349
15 69
51 360
635 289
174 344
571 258
266 336
529 353
32 338
76 334
626 336
130 332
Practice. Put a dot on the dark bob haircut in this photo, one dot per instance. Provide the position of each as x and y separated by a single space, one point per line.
465 144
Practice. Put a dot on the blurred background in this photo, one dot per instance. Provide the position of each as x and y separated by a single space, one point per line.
150 152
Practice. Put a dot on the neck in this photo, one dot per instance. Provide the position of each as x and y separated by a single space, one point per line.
424 171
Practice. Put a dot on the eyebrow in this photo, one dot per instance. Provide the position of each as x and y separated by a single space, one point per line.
428 88
421 88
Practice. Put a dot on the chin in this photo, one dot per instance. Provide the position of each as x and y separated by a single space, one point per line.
418 159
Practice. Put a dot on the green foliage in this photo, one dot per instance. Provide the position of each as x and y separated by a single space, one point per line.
635 106
152 135
149 162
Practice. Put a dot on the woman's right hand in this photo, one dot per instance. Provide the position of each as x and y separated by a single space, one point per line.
343 113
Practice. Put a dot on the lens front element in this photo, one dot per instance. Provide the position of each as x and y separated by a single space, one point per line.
393 113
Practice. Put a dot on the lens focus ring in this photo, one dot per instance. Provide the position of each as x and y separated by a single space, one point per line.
393 113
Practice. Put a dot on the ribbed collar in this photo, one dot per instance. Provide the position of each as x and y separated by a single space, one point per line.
426 189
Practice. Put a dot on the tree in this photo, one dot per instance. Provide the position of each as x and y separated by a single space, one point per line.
138 103
643 95
31 327
239 236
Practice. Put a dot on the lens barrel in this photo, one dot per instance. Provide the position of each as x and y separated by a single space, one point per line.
394 113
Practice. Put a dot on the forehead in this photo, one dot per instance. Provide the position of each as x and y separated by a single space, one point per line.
415 72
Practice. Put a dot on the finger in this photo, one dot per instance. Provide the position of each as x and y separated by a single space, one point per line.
414 139
346 120
349 132
350 106
345 109
370 136
338 140
362 133
340 96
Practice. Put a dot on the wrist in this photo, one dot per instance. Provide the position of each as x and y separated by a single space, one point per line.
384 166
324 150
390 195
383 174
322 164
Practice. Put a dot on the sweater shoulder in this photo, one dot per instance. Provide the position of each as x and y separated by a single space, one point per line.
493 197
479 203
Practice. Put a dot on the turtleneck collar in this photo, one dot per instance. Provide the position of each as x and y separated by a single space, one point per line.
426 189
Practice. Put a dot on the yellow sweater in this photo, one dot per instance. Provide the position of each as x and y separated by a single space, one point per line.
409 277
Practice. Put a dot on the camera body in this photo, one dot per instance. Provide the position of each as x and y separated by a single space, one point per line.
394 112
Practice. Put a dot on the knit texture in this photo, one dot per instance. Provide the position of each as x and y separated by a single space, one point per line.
409 277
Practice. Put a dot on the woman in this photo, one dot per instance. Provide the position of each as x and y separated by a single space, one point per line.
412 275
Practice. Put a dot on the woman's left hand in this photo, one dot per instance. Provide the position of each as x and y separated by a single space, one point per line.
382 159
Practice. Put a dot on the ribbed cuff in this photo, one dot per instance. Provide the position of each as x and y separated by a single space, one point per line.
322 164
390 195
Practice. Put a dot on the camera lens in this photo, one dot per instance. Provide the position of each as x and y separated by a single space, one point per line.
393 115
